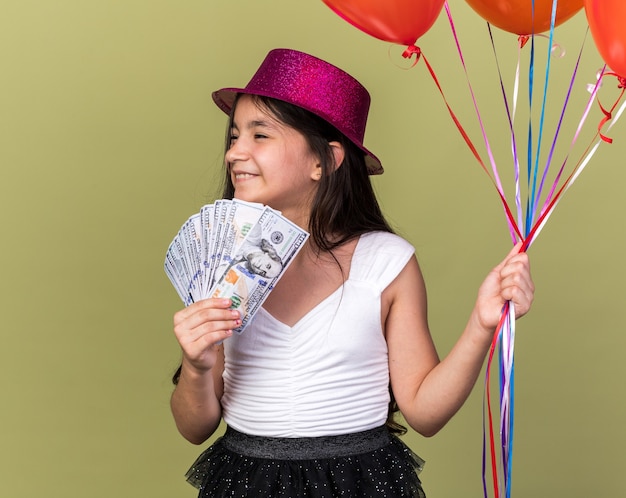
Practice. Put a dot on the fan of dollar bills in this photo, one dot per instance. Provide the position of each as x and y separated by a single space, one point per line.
233 249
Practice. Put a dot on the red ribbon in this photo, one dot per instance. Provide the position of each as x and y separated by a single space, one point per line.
608 113
523 39
408 53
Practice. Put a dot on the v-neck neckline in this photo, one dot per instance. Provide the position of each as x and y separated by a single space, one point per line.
323 301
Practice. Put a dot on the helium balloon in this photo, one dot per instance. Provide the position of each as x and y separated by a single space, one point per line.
607 21
395 21
516 16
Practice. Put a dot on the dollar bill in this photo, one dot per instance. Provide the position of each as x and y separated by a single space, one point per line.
206 221
240 219
233 249
179 269
259 262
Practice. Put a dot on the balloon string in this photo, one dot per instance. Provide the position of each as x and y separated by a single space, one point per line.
531 67
536 191
534 197
506 342
469 143
495 179
558 129
504 338
518 196
511 117
608 113
480 121
574 139
572 177
551 201
508 395
489 412
506 355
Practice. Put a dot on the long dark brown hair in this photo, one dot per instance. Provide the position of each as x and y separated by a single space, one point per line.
344 206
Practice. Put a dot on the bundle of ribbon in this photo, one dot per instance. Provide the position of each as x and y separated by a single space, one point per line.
403 22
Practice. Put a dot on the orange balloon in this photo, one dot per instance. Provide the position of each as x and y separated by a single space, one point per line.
516 16
395 21
607 21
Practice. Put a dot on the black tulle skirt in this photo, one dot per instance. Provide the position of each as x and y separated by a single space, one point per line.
372 464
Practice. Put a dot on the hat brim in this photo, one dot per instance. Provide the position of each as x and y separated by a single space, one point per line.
225 98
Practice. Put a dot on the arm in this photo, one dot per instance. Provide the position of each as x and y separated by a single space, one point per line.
429 391
195 402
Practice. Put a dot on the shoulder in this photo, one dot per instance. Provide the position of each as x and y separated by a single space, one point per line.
379 257
385 242
384 247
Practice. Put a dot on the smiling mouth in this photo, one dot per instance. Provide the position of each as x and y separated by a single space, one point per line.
243 176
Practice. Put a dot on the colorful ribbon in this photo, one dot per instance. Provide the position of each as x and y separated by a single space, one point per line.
528 224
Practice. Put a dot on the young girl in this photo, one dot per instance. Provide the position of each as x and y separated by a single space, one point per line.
309 388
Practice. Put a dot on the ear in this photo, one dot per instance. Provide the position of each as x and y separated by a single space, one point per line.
316 174
338 153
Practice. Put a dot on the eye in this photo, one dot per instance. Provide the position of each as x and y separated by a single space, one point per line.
259 135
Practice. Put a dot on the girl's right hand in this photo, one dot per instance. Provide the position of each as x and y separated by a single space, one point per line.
200 327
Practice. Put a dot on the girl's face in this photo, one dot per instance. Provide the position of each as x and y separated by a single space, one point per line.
270 162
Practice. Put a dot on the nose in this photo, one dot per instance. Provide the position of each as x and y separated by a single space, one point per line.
236 151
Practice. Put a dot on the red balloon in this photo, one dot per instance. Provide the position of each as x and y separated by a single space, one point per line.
396 21
607 21
516 16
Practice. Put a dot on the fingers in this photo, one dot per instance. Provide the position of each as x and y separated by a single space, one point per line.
509 281
204 324
204 304
516 283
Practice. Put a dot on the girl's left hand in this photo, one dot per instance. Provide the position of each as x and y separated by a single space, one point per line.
509 281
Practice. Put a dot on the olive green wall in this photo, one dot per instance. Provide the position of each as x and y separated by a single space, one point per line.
109 140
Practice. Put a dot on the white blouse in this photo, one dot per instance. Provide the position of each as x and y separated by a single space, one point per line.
329 373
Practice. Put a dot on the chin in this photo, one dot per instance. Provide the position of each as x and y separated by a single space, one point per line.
243 197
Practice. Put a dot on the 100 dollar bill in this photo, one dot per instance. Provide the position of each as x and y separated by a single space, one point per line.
262 257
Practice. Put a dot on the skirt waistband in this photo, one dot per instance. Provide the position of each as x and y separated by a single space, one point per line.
306 448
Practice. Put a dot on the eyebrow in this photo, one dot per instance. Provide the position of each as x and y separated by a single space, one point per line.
255 124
